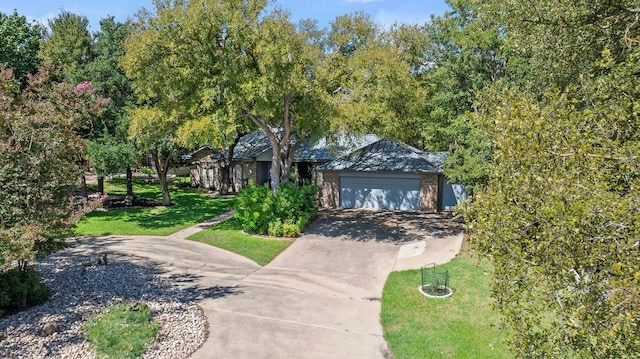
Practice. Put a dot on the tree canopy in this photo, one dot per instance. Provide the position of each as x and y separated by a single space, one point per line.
559 214
39 158
19 45
67 43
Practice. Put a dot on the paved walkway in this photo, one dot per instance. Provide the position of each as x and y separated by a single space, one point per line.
318 299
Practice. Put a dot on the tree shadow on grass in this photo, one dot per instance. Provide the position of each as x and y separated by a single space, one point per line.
191 207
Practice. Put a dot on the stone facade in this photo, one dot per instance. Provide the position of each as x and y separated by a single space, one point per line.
330 190
429 192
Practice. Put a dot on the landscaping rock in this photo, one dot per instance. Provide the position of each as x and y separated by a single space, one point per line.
54 329
50 328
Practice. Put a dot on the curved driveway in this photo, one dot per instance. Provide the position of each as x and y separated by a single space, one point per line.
319 299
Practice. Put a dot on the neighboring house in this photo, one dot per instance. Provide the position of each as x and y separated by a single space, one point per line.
252 160
389 175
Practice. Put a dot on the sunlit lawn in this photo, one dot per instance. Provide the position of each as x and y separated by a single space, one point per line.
462 326
191 207
228 235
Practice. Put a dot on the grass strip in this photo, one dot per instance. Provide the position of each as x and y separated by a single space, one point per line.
123 330
191 207
462 326
228 235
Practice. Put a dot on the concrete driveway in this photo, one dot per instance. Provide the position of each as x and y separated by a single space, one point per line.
319 299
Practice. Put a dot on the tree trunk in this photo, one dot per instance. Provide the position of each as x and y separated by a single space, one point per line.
162 168
84 191
129 182
226 184
101 185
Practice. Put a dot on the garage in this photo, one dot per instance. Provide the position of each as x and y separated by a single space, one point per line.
380 190
387 174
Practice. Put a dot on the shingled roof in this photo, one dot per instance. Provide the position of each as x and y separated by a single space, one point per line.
255 143
389 155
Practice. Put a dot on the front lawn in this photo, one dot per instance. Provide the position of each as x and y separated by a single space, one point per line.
462 326
191 207
228 235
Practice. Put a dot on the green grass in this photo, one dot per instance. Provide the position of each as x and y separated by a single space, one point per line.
227 235
121 331
462 326
191 207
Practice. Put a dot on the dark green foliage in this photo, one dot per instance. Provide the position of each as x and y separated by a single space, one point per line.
19 44
286 213
111 155
68 44
21 289
122 330
468 162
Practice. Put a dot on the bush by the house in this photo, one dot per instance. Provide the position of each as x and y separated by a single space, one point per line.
284 215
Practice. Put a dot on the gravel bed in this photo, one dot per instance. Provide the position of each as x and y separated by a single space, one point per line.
82 288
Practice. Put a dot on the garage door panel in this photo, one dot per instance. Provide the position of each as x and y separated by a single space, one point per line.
380 192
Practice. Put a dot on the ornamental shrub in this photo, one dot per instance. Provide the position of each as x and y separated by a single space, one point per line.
21 289
285 214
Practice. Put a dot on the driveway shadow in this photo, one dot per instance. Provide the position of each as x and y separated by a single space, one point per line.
382 225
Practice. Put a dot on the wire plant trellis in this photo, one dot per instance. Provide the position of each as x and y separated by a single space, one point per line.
435 281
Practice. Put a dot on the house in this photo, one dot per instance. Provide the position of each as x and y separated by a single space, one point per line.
389 175
252 160
351 172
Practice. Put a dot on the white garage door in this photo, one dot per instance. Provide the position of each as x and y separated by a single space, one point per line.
380 190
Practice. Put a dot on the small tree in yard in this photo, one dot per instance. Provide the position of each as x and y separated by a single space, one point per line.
39 151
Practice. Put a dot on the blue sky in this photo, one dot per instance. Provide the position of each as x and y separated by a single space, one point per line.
384 12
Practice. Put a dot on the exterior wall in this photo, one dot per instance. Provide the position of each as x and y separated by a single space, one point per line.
194 173
330 190
429 192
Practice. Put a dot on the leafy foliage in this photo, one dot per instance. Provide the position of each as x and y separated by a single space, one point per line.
39 152
285 213
68 44
20 289
19 45
558 216
559 219
122 330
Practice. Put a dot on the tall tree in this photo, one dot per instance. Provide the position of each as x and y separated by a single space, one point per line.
19 45
38 159
67 43
555 42
372 81
221 63
111 152
559 214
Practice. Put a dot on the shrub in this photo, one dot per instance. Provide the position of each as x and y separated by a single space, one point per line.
146 170
20 290
254 208
290 229
275 228
122 330
285 214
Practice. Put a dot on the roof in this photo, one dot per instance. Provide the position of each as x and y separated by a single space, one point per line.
255 143
389 155
251 145
324 150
